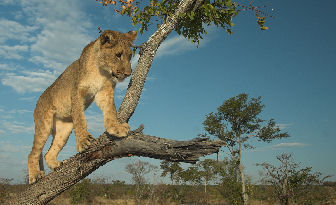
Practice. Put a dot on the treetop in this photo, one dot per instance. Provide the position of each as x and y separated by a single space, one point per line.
238 117
192 23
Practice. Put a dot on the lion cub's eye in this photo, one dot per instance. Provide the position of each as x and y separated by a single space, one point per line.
118 55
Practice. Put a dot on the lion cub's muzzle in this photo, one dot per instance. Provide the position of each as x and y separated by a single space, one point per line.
122 75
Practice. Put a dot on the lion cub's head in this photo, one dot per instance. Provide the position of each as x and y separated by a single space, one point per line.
115 54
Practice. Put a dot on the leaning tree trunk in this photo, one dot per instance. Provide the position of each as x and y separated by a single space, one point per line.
106 149
147 53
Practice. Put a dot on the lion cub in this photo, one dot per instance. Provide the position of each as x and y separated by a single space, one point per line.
60 108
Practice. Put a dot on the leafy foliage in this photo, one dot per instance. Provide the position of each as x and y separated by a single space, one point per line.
224 175
229 185
80 191
237 121
290 182
191 24
173 169
218 12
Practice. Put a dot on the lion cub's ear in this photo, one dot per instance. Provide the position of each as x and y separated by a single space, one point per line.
105 38
131 35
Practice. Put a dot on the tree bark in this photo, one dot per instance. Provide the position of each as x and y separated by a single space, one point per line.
105 149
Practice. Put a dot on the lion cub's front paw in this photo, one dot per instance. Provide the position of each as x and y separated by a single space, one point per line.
36 176
84 142
120 130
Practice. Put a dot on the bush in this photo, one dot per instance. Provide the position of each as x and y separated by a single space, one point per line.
81 192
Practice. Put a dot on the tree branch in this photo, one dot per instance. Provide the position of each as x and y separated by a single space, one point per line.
105 149
147 53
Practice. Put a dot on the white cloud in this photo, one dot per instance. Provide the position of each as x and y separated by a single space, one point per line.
7 67
29 81
19 111
134 61
48 63
123 85
176 45
16 127
120 97
12 52
67 152
95 121
63 32
60 33
6 147
171 46
58 45
12 30
27 98
285 125
5 2
289 145
282 145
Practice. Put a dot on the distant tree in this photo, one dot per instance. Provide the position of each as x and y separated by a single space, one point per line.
203 172
290 181
138 170
81 191
224 174
235 122
207 171
229 184
173 169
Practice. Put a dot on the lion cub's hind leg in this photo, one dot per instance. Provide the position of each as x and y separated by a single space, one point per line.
43 125
61 132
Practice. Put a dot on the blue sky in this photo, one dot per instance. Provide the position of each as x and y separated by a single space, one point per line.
291 66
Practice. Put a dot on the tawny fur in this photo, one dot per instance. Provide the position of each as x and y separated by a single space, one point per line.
60 108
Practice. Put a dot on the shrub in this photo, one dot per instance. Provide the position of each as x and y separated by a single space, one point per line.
80 192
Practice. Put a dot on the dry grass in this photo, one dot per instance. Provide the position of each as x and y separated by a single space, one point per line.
104 194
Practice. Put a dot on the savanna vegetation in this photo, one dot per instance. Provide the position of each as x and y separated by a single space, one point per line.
206 182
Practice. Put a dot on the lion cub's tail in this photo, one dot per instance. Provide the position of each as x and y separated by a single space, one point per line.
41 162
